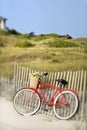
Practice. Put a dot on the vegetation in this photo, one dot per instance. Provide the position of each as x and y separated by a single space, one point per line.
24 43
3 32
61 43
45 52
13 31
1 43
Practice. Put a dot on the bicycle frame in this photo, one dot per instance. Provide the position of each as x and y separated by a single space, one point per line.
41 87
64 101
57 90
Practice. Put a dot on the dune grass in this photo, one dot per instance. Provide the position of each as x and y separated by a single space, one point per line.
41 56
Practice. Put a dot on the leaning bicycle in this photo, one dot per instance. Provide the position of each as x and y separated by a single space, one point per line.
27 101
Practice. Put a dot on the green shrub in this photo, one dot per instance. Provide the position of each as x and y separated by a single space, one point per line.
26 36
31 34
45 36
24 43
13 31
40 37
85 50
1 43
61 43
2 32
51 35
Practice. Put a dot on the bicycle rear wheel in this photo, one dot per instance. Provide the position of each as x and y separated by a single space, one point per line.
26 102
69 109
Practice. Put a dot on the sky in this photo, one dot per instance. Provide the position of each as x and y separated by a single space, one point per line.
46 16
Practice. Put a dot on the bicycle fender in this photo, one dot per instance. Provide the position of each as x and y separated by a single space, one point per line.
75 92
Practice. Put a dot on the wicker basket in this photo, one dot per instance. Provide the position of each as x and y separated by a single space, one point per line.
34 82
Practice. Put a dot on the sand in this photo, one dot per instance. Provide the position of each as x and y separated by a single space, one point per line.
11 120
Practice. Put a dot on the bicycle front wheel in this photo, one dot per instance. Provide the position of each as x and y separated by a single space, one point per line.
67 110
26 102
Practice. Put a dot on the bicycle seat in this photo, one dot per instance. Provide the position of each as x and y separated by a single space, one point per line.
62 81
45 74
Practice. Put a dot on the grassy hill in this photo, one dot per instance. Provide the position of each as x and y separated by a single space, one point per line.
45 52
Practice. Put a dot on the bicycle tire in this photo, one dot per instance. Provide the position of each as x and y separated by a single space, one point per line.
67 111
26 102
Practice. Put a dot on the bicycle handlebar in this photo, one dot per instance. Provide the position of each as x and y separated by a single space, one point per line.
44 74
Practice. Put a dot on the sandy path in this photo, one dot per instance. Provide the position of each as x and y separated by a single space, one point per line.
11 120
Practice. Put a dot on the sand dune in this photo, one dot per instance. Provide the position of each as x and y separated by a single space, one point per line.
11 120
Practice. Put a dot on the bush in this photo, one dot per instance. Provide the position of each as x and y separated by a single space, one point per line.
25 36
40 37
24 43
1 43
52 35
2 32
31 34
61 43
45 36
13 31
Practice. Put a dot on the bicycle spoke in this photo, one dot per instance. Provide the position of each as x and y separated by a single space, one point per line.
26 101
67 110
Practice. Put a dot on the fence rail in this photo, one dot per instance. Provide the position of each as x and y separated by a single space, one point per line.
76 80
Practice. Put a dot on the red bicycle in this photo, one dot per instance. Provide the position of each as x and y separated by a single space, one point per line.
27 101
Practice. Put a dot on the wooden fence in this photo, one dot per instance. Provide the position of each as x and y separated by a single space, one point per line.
7 88
76 80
